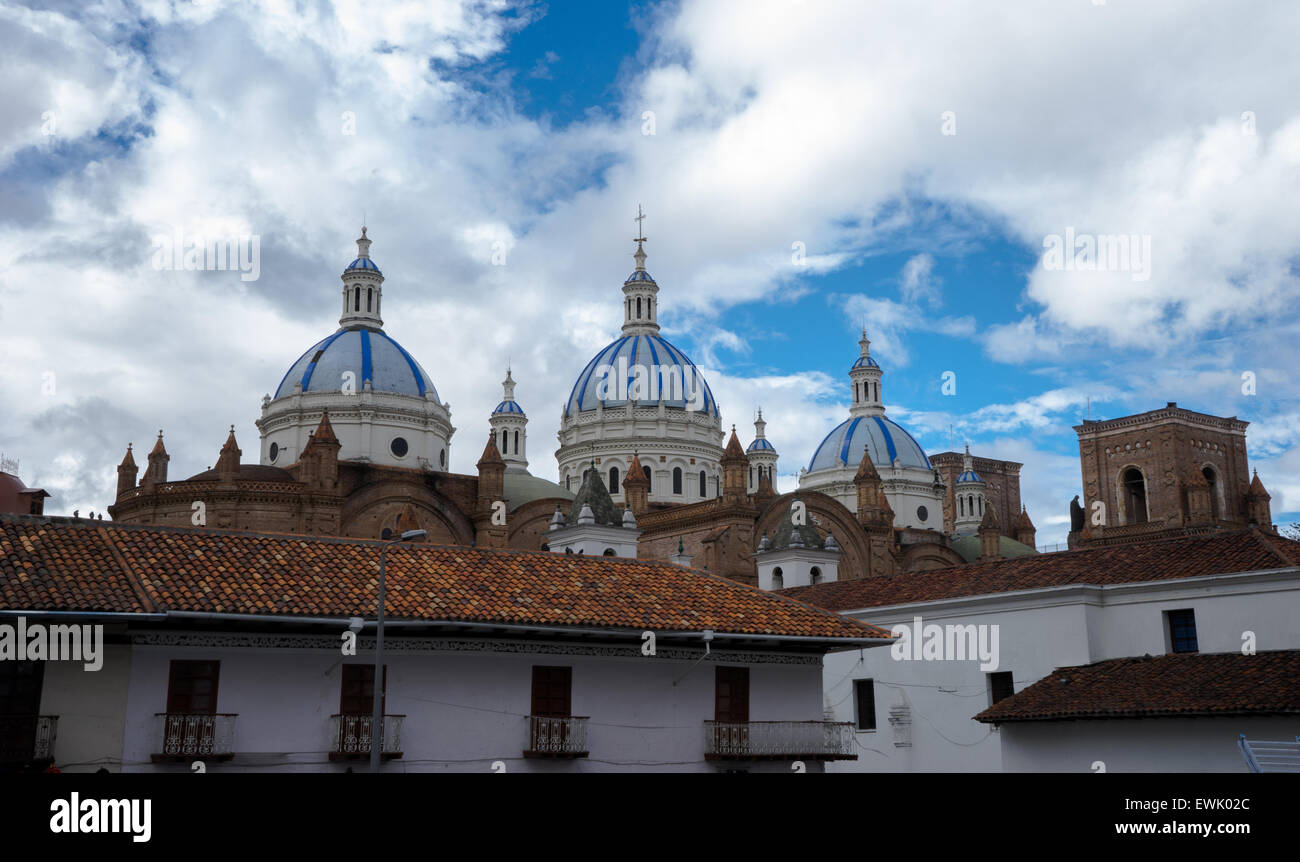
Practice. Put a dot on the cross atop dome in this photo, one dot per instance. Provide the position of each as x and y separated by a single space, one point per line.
639 256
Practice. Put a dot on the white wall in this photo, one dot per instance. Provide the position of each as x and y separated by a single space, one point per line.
91 706
465 710
1202 744
1040 631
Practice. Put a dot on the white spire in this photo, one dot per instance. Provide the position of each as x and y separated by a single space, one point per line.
362 289
640 293
508 385
865 379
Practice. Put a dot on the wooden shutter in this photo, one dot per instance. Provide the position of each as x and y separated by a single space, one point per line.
552 690
192 687
731 694
357 695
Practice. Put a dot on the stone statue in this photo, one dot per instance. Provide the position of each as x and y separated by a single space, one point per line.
1076 515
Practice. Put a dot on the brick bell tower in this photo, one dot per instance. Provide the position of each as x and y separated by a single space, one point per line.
1165 469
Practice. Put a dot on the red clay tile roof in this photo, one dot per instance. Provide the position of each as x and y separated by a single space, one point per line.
1266 683
60 564
1182 557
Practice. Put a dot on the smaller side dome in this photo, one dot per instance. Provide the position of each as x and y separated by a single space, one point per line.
508 407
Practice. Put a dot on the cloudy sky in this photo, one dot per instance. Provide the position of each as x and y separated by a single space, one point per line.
805 169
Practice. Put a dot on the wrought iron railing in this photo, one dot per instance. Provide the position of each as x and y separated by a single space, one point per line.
27 738
557 737
799 740
351 735
195 735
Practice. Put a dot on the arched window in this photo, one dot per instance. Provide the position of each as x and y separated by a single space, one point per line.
1213 482
370 296
356 300
778 579
442 458
504 447
814 575
751 477
516 441
677 480
704 486
613 480
980 500
609 552
648 484
961 507
1135 496
650 308
638 308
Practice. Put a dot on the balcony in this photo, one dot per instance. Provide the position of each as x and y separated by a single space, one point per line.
779 740
186 736
350 736
557 737
27 739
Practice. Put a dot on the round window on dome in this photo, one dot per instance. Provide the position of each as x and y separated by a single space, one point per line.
274 452
398 447
922 513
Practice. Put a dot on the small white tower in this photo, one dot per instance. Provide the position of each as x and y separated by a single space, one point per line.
762 457
968 498
510 429
640 293
363 288
865 377
797 555
594 526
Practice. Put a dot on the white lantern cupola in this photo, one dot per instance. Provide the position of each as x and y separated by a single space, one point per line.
640 292
510 429
865 376
363 286
762 457
969 497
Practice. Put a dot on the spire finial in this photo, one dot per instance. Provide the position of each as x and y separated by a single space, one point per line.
639 239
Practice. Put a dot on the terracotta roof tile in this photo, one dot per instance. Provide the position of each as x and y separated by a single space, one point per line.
1182 557
1179 684
48 564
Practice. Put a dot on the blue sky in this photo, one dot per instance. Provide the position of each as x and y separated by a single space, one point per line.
483 126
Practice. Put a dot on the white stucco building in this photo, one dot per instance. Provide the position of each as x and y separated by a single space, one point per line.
494 660
1197 594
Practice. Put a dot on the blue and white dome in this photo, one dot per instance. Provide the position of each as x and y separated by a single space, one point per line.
648 351
864 362
369 354
970 476
362 263
508 407
761 444
887 440
639 275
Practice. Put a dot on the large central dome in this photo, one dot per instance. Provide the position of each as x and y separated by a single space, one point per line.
355 356
382 405
645 368
641 401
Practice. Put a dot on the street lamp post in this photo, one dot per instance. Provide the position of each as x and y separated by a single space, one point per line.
377 712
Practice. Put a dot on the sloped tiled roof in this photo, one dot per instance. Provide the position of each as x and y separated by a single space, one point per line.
1182 557
1179 684
63 564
